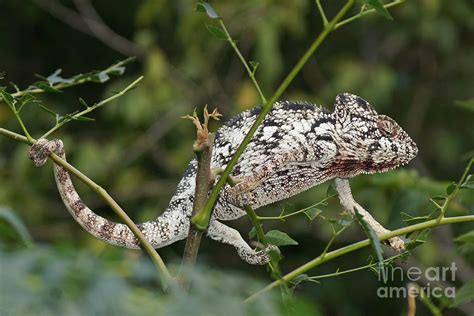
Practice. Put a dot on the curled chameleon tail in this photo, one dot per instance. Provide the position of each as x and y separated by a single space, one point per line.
171 226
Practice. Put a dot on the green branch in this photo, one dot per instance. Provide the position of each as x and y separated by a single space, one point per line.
321 11
160 265
79 79
250 72
89 109
356 246
364 12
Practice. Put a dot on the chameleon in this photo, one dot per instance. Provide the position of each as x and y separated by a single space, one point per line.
298 145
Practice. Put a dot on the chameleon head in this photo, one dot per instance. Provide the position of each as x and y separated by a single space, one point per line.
369 142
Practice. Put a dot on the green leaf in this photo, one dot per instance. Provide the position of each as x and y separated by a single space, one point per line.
466 238
16 223
254 65
206 7
84 103
450 188
82 119
312 213
49 111
253 233
278 238
117 71
466 104
374 239
7 98
421 238
378 6
217 32
45 86
409 219
464 294
468 183
331 191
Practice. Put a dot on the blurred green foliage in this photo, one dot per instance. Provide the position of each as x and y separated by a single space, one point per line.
417 69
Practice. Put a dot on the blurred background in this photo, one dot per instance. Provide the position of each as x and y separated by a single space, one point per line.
418 69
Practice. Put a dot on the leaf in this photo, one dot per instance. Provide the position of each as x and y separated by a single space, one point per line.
7 98
252 233
378 6
312 213
344 222
82 119
49 111
45 86
217 32
409 219
278 238
374 239
206 7
437 198
450 188
466 238
468 183
421 238
100 77
55 78
16 223
466 104
117 71
254 65
84 103
331 191
464 294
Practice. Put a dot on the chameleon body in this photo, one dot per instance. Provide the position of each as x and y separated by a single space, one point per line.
298 145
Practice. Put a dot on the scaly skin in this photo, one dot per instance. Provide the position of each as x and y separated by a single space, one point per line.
298 146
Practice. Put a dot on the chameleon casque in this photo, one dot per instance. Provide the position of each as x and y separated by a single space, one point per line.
298 145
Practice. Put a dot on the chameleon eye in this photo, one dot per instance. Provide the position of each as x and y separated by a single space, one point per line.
387 126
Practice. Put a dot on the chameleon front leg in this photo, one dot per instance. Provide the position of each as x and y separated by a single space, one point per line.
228 235
348 202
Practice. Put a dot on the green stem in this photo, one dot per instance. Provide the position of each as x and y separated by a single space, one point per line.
321 11
358 245
365 12
447 201
282 217
268 106
93 107
368 266
244 62
64 85
160 265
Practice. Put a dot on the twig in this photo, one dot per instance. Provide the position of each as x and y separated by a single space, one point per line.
63 85
244 62
90 25
359 245
93 107
365 12
321 11
160 265
202 148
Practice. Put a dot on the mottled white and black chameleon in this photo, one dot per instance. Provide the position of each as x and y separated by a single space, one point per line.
298 146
